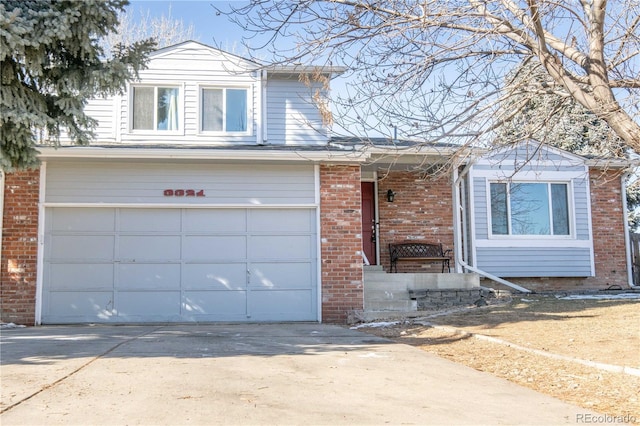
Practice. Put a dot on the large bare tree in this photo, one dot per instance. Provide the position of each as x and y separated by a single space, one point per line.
436 69
165 30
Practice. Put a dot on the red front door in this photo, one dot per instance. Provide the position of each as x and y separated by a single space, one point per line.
369 221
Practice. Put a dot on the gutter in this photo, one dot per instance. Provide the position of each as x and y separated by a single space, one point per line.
627 239
123 152
459 261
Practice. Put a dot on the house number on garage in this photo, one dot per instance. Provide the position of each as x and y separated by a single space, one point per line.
183 193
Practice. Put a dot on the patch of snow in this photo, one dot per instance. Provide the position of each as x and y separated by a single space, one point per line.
372 355
376 324
526 300
627 296
11 325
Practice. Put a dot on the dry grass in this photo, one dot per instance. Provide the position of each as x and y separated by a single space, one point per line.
596 331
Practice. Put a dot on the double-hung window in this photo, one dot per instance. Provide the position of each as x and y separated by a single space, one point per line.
224 110
155 108
530 208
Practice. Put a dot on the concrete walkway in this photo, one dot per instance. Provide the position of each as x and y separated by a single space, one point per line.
308 374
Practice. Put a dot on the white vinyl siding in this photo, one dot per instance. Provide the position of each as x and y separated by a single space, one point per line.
105 111
193 66
146 183
516 262
292 115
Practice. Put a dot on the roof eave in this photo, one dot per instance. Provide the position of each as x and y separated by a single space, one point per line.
300 155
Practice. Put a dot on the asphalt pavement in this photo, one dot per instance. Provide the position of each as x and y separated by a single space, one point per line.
243 374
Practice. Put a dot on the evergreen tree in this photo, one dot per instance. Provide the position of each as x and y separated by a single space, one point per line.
552 116
555 118
51 64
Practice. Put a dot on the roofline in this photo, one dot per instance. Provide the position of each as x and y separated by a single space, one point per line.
300 155
305 69
163 50
276 69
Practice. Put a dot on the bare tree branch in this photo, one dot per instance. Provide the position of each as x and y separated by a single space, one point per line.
437 70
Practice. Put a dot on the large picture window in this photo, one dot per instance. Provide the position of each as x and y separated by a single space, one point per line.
223 110
524 208
155 108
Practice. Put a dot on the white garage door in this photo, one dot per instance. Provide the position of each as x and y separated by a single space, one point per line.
117 264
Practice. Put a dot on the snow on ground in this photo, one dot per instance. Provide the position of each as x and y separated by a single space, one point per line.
376 324
10 325
630 296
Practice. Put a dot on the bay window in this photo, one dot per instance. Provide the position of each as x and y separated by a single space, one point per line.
224 110
155 108
529 208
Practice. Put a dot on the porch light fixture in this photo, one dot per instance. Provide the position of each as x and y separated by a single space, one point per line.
390 196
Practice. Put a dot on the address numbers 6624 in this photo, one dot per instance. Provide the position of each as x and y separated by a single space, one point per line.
183 193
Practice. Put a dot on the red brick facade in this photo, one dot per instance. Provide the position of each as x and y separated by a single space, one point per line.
19 247
341 242
421 211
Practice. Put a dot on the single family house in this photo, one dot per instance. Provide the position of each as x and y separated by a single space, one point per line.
215 192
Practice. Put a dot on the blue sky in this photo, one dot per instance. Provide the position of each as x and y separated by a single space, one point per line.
209 28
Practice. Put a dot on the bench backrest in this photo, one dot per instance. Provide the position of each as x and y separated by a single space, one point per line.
415 250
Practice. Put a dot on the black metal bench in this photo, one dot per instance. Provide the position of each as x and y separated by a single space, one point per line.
418 251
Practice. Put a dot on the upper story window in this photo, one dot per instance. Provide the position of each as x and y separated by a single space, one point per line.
224 110
155 108
527 208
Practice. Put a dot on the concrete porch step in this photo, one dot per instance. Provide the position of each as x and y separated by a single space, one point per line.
371 316
390 305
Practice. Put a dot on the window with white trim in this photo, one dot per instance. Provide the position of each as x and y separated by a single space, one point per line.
530 208
155 108
224 109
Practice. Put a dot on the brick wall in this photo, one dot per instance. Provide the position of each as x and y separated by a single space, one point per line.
422 211
607 218
19 247
341 242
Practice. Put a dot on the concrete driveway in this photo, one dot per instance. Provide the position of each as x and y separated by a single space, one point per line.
248 374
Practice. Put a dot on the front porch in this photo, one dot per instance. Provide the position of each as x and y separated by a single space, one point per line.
398 295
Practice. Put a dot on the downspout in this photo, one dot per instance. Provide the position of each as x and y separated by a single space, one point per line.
1 209
457 248
627 240
263 136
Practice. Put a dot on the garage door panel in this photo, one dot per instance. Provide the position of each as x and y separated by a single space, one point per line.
149 276
79 220
80 276
217 276
280 247
145 220
221 304
145 304
281 221
281 275
277 304
79 306
215 247
164 264
207 221
149 247
81 247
